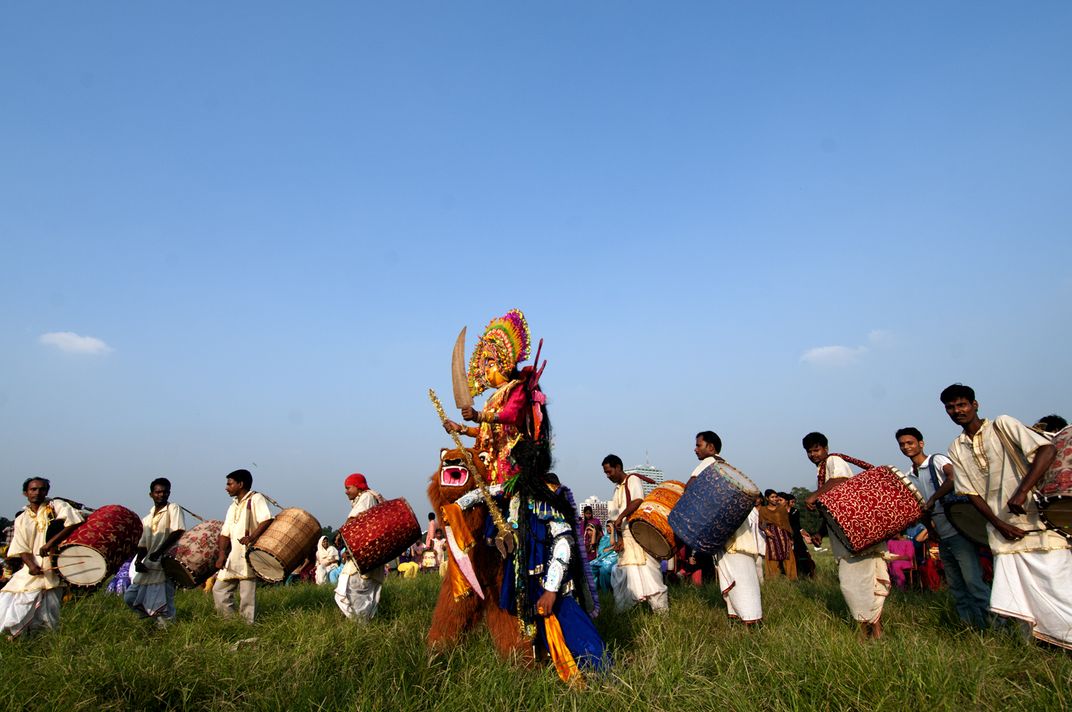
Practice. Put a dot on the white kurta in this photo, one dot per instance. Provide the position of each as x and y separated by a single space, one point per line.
358 594
1032 576
864 578
243 517
28 602
637 577
156 527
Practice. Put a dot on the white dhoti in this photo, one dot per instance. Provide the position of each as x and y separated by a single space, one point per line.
152 599
739 581
1036 586
639 582
865 583
28 611
358 597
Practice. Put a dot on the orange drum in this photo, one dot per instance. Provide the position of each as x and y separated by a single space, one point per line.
649 523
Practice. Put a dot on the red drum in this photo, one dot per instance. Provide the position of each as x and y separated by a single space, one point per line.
193 558
871 507
380 534
649 524
288 541
97 548
1054 491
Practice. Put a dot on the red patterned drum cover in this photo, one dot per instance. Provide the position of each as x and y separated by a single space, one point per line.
193 558
97 548
649 525
1054 491
288 541
380 534
871 507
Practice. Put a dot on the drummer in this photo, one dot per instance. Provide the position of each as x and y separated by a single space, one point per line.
31 599
637 577
358 593
151 593
247 518
738 563
933 477
1032 566
864 577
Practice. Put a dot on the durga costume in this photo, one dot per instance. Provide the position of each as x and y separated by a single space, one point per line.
863 577
151 593
27 602
1032 575
548 558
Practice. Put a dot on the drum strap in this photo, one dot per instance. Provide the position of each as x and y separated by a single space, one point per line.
1019 460
859 463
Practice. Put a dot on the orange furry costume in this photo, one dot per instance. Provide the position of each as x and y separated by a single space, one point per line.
459 608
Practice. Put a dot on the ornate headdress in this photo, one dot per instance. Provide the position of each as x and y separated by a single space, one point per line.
508 338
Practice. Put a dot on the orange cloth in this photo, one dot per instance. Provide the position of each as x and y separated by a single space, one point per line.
454 519
565 665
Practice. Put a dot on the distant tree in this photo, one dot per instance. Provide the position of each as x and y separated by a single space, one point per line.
809 520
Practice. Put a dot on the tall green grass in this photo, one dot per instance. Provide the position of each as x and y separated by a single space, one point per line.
306 656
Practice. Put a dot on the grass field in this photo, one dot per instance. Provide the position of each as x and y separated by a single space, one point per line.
306 657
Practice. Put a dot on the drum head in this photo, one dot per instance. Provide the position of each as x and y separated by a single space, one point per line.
650 539
265 565
739 480
81 565
967 520
1056 513
178 573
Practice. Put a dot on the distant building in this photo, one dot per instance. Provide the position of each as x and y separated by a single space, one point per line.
649 471
599 508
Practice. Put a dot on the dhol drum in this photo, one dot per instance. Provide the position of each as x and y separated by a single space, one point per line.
380 534
649 524
871 507
1054 491
966 519
193 558
288 541
715 503
96 549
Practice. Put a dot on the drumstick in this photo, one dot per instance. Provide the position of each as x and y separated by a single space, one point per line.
192 514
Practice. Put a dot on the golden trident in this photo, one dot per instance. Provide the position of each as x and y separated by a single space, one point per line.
505 541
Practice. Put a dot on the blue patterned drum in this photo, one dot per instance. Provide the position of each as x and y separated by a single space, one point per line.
715 503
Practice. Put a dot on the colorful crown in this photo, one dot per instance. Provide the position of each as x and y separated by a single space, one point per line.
509 337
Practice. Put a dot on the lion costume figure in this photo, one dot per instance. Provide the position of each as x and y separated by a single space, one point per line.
460 607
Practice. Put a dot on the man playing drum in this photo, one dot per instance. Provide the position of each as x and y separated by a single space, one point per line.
864 577
151 593
31 599
933 477
358 593
738 575
637 577
997 464
247 518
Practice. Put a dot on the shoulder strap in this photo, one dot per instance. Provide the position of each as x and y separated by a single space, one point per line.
1019 460
822 466
628 497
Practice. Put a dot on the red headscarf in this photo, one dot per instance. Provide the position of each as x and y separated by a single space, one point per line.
356 480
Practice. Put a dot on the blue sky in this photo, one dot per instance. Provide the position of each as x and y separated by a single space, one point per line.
763 219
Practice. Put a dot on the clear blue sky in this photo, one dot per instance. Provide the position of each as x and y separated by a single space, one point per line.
274 219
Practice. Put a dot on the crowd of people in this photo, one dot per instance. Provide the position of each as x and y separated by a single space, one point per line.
547 560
